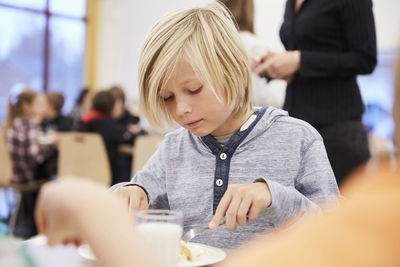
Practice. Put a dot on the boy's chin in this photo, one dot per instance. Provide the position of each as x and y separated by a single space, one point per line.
198 133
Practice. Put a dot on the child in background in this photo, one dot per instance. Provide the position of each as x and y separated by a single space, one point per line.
99 120
131 123
31 160
257 167
83 105
28 155
54 120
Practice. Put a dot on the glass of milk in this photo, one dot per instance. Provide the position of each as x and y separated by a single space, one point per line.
162 231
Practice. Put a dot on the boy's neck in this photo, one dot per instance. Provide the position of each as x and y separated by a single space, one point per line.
234 123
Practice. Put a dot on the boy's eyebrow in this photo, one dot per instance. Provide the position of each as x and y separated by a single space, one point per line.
190 79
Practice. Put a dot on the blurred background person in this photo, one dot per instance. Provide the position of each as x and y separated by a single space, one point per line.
121 115
31 160
54 120
264 93
28 155
99 120
130 123
328 44
83 105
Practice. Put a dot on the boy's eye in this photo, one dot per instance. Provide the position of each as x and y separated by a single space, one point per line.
196 91
169 98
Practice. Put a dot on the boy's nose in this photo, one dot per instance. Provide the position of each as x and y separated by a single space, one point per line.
183 107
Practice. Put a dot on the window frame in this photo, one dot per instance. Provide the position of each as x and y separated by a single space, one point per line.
47 35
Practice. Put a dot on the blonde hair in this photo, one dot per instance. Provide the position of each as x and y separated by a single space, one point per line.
243 12
208 39
15 106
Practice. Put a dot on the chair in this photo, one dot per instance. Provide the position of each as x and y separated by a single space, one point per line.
145 146
84 155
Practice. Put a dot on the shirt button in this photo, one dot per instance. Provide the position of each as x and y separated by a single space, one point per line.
223 156
219 182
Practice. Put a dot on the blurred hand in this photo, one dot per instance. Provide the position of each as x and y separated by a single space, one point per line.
279 65
133 128
134 196
63 204
241 202
256 59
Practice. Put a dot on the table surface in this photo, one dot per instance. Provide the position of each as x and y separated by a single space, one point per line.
60 256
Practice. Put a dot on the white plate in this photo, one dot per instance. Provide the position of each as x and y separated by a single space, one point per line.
202 255
38 240
86 252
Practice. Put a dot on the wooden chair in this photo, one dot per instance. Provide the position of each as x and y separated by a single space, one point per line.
144 148
84 155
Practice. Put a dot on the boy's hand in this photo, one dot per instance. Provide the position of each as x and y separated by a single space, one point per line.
134 196
241 202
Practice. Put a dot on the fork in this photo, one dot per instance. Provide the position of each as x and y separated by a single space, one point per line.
194 232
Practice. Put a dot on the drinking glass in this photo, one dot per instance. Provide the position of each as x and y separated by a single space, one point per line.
162 231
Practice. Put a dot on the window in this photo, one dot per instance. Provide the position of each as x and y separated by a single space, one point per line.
42 45
377 91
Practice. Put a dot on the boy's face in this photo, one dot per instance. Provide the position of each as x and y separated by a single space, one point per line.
194 106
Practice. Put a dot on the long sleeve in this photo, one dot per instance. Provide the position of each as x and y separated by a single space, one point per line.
153 179
314 186
358 55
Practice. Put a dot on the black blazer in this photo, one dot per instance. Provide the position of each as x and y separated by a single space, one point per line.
337 41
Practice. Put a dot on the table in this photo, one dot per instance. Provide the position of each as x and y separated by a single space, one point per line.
60 256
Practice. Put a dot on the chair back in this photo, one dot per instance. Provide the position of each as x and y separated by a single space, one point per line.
84 155
144 148
6 171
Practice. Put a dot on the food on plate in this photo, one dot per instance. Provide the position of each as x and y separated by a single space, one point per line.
185 252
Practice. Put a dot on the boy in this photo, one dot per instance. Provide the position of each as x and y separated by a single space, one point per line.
258 168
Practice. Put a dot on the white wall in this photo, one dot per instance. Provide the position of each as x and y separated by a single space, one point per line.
268 19
123 25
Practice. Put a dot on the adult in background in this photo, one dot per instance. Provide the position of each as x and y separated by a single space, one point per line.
328 44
